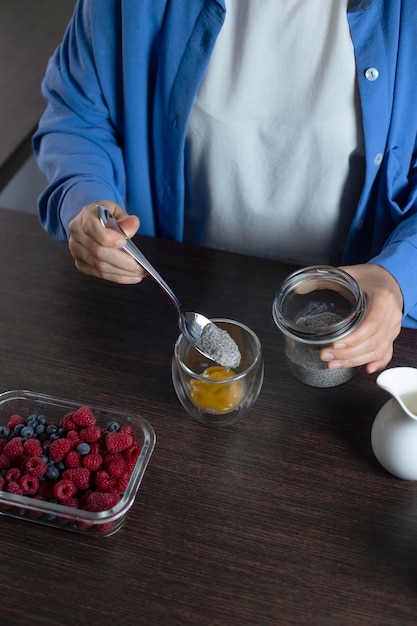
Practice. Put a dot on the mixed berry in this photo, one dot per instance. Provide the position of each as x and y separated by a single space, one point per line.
74 463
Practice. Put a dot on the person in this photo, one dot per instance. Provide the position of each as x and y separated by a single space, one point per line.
280 129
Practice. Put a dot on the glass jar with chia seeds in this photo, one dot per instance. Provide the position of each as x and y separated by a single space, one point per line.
313 308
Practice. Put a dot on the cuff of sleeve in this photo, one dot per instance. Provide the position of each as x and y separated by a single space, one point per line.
59 207
400 260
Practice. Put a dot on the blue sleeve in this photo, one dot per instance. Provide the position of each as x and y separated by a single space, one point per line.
77 143
399 257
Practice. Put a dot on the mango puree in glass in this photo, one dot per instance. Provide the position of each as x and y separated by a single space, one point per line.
220 398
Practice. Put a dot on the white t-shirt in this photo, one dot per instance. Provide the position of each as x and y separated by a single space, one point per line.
274 148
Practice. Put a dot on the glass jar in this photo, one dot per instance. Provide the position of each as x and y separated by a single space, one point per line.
313 308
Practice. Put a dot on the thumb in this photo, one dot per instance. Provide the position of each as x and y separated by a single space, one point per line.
129 224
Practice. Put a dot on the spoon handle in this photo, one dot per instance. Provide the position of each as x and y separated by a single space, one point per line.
107 219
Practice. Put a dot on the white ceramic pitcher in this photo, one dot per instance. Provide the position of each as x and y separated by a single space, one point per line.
394 431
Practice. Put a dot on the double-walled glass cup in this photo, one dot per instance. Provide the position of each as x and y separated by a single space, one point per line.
212 394
315 307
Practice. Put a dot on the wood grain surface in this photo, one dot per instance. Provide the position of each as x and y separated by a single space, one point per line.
285 518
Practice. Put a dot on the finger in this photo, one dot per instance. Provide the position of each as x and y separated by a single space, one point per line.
104 261
129 224
375 350
373 359
107 273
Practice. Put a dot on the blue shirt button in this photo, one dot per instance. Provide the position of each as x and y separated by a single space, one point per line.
371 73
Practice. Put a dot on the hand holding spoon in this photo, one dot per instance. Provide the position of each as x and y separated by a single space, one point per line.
210 340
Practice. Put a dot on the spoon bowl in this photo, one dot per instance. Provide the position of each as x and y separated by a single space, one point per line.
196 328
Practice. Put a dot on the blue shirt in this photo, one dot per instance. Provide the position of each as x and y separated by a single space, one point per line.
119 90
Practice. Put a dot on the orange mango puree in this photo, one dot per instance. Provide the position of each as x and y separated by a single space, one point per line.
220 398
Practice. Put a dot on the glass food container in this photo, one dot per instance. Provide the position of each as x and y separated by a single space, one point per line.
314 307
48 511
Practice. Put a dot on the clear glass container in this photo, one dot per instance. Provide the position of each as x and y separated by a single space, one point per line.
212 394
50 513
313 308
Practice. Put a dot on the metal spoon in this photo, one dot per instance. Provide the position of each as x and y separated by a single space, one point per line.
191 324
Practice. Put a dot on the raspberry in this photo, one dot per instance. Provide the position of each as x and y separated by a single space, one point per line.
90 434
13 448
32 447
67 422
64 489
84 498
84 417
131 454
123 482
29 484
72 459
36 514
35 466
116 467
103 482
73 503
92 461
5 461
14 420
46 488
80 476
13 474
59 448
74 438
105 528
3 443
95 447
14 487
116 442
101 501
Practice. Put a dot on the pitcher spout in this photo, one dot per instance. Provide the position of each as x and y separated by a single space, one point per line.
401 383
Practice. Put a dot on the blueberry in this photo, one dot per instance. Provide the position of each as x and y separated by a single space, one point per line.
40 429
52 472
54 436
60 466
113 427
62 432
51 428
17 429
4 432
42 419
32 419
83 448
27 432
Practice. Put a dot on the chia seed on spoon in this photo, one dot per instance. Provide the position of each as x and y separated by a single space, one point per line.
217 343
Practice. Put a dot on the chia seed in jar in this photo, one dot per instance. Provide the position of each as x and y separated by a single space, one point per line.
313 308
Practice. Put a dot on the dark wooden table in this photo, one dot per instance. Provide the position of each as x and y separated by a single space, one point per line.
285 518
29 32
